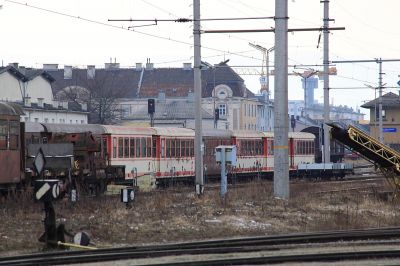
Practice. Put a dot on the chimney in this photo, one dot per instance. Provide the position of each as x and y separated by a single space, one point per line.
50 67
27 101
84 106
67 72
40 102
111 65
139 66
15 65
187 66
91 72
161 96
149 66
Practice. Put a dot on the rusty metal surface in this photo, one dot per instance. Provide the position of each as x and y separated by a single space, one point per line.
10 166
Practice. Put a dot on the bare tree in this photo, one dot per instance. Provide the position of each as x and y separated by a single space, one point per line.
99 92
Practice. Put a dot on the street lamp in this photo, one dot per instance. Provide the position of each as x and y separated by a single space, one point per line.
268 51
305 75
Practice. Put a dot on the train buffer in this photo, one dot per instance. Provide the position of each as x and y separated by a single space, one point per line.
384 157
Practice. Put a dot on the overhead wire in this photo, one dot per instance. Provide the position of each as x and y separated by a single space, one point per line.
125 28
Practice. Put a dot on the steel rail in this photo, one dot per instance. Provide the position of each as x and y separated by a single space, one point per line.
203 247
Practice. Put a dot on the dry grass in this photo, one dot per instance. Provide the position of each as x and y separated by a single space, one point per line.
179 215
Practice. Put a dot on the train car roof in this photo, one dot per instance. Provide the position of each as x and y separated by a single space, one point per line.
128 130
268 134
301 135
220 133
10 109
174 131
247 134
33 127
74 128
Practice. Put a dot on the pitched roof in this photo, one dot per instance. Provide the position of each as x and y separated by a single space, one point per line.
33 73
15 72
133 83
123 81
388 100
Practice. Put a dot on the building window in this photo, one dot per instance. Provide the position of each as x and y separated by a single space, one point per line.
52 120
46 120
36 119
222 109
26 119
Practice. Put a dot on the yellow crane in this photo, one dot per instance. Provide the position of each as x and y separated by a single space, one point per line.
264 78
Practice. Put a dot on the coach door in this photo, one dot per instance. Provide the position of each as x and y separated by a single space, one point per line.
158 152
291 153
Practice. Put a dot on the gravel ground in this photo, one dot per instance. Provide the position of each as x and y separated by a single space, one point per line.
177 214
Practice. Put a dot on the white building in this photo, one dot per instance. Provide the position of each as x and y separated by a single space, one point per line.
32 90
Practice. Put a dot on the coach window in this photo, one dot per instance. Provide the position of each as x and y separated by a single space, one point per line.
120 147
178 148
187 148
191 148
3 134
126 147
142 147
104 147
137 147
168 148
183 149
148 145
270 147
132 147
154 145
114 147
162 148
173 145
14 135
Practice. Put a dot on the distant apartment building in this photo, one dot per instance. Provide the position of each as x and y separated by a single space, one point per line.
316 111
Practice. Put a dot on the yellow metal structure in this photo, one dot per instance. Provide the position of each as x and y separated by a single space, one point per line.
386 158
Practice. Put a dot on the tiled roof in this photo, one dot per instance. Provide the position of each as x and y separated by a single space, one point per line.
124 82
175 82
388 100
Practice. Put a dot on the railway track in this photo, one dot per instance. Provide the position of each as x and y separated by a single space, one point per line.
246 246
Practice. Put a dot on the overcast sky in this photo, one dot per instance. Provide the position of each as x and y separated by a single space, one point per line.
33 36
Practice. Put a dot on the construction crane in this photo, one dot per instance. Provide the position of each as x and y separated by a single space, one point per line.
264 75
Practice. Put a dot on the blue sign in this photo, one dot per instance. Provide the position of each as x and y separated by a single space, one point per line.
389 129
398 82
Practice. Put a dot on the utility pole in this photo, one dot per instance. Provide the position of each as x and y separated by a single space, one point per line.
197 97
327 151
378 61
281 121
380 102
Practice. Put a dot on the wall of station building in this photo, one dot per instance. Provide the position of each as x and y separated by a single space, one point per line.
43 116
